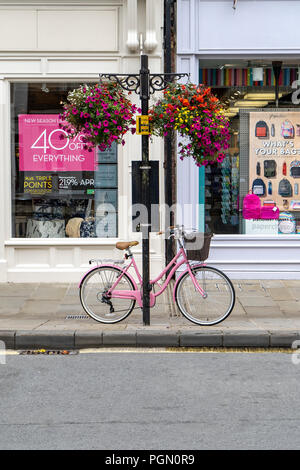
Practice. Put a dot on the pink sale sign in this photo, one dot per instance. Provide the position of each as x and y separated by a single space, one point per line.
42 147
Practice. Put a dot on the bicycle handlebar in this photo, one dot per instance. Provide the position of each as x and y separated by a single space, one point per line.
177 230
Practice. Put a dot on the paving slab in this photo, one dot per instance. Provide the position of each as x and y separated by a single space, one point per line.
17 290
45 293
257 301
289 306
11 305
40 306
280 293
265 312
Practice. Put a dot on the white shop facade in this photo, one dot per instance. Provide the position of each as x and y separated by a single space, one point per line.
47 49
236 48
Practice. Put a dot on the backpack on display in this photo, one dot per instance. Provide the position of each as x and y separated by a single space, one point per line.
287 130
295 169
251 207
285 188
261 130
259 187
269 168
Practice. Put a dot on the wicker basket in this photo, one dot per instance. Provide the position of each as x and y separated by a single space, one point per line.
202 244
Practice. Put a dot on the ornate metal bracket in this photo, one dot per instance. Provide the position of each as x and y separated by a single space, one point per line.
132 82
127 82
158 82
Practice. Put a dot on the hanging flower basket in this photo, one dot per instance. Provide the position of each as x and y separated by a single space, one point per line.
198 116
101 112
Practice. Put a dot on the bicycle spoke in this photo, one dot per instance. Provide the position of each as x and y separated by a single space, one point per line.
217 303
97 303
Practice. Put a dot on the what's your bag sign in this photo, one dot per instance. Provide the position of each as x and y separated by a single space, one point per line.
43 146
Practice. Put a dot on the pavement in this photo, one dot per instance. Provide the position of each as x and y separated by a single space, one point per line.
41 315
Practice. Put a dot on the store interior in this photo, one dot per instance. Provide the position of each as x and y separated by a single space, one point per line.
241 85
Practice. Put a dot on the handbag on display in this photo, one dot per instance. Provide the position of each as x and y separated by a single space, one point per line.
87 227
73 227
269 210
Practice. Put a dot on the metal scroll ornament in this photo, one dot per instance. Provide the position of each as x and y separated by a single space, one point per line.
157 82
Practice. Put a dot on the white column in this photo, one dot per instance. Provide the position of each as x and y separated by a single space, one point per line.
132 33
5 177
153 8
187 171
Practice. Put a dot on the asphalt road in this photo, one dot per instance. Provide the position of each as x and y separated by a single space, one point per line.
150 401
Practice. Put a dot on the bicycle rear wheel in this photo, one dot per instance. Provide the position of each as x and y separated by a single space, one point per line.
219 300
94 300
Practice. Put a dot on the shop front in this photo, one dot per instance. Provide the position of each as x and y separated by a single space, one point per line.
62 204
254 71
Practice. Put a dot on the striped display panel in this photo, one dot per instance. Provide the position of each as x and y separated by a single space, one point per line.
244 77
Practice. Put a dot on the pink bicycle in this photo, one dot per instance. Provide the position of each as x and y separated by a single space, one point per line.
203 294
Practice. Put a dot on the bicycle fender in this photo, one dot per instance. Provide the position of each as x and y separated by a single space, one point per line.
108 266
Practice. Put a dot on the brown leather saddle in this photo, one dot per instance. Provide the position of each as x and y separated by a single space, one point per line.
126 245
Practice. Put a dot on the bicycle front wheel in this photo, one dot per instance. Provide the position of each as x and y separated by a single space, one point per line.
94 300
217 303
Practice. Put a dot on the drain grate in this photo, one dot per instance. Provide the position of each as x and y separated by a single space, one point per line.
77 317
49 352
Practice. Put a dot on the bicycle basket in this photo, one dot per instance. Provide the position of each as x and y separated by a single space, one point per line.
201 242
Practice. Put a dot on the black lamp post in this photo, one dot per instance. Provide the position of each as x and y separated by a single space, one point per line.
144 84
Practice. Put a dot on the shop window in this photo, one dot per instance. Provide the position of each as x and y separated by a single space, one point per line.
264 149
59 189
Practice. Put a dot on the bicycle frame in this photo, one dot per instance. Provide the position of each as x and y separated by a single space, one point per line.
136 294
